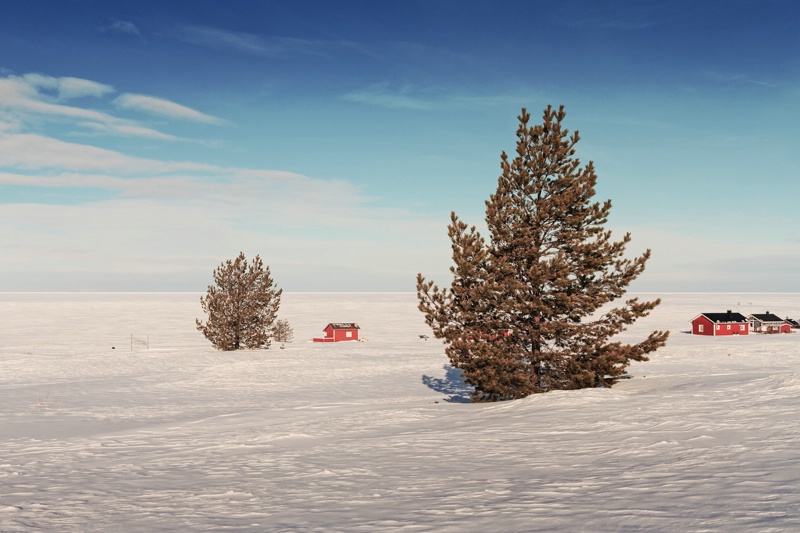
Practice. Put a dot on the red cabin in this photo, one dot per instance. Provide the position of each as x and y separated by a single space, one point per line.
718 324
339 331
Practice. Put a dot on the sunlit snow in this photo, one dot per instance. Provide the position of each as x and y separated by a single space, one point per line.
117 415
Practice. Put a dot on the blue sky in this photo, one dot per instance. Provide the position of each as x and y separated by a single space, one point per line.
142 143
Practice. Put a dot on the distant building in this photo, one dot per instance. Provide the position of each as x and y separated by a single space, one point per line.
716 324
339 331
795 324
768 323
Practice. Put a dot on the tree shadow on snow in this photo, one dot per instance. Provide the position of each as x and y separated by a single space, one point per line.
452 383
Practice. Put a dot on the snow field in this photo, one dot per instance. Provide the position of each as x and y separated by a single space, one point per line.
375 436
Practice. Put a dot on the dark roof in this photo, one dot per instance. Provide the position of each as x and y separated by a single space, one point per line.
767 317
793 322
725 317
342 325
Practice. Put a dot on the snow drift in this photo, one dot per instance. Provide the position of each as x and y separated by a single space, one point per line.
98 433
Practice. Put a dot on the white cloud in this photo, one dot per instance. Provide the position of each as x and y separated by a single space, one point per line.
283 199
160 106
9 123
22 96
121 214
68 87
84 208
177 225
77 87
31 151
127 129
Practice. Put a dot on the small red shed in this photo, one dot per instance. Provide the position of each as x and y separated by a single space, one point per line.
715 324
339 331
769 323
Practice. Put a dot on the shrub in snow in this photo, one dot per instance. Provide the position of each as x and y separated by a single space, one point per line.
282 331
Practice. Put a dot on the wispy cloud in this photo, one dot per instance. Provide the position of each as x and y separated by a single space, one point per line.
418 98
249 43
733 78
67 87
38 152
383 96
100 209
277 47
127 129
47 98
194 214
121 26
30 160
24 96
162 107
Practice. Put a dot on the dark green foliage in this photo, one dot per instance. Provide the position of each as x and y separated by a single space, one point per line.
521 315
241 306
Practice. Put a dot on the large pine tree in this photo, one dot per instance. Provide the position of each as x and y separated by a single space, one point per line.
523 313
241 306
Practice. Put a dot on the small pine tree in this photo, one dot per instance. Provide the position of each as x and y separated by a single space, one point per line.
241 306
283 332
520 315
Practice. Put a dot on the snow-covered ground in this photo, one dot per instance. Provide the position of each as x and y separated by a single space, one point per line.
97 434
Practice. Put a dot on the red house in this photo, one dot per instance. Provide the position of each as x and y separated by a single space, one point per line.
769 323
716 324
339 331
